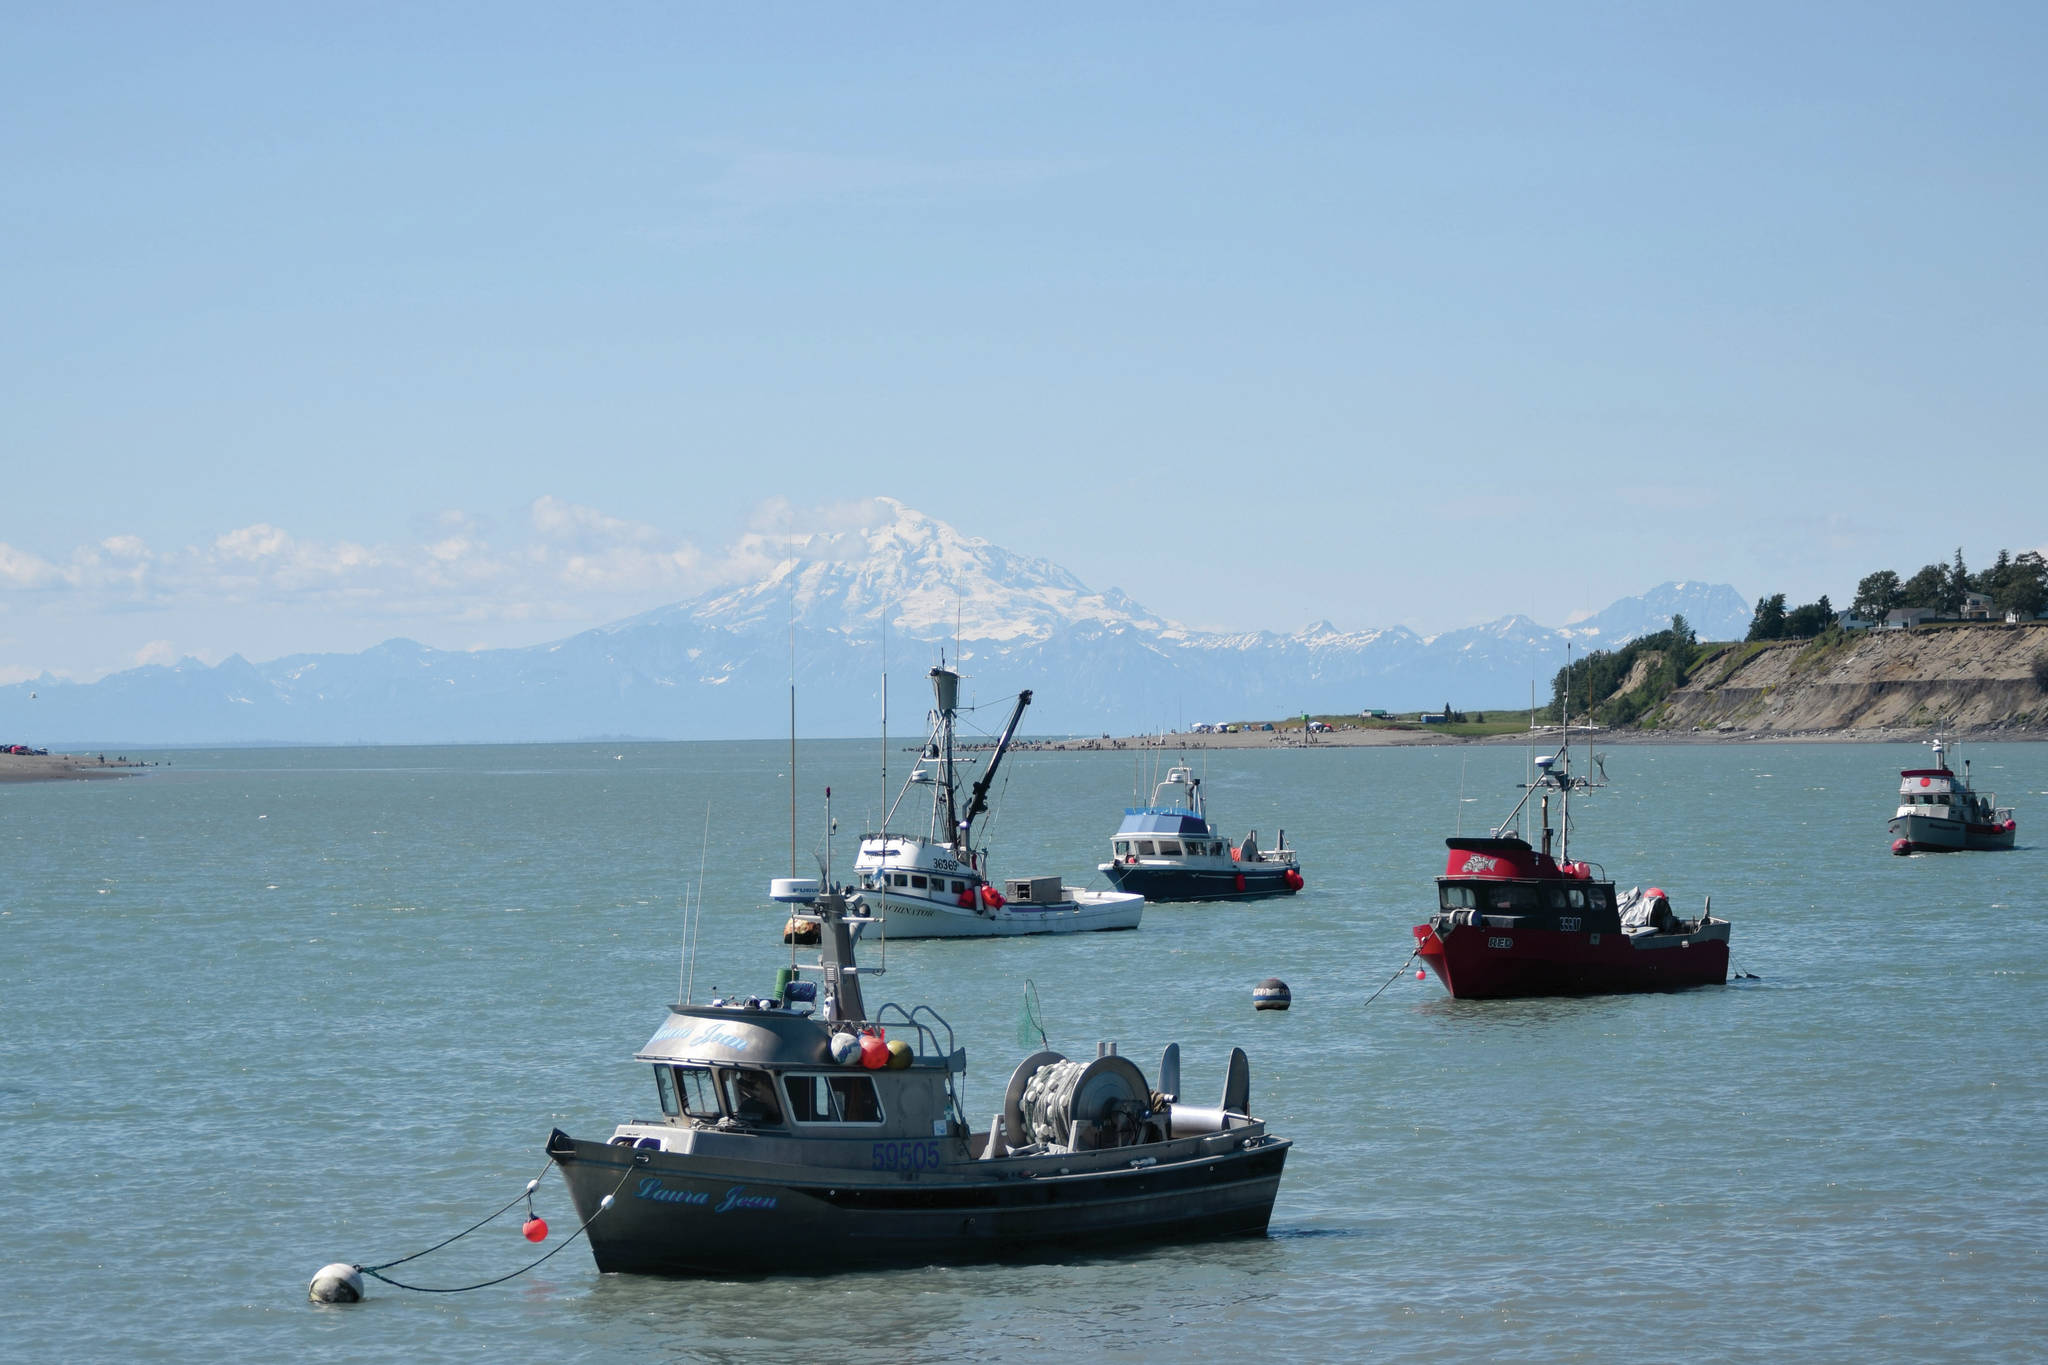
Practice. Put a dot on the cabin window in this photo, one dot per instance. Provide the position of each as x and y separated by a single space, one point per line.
1169 848
1602 897
698 1094
917 882
665 1082
750 1096
1576 897
1553 897
1122 847
959 887
1511 896
1145 847
832 1099
902 878
1456 897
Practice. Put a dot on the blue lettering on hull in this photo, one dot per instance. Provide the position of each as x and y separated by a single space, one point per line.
735 1197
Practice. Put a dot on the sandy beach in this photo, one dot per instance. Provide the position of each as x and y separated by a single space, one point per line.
1371 738
63 767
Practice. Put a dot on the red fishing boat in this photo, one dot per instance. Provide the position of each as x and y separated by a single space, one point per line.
1512 920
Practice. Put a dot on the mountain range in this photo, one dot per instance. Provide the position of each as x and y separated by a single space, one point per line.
718 665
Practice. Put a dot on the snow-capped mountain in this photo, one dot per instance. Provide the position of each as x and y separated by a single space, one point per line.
934 582
717 666
1714 610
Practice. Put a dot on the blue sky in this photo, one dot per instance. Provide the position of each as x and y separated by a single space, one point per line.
486 323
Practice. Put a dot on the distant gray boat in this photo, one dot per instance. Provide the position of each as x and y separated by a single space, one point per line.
808 1135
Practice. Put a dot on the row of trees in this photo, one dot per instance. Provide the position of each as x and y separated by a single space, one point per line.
1773 621
1590 683
2016 583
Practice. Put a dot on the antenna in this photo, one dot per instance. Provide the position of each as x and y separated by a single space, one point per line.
690 981
885 718
792 704
1459 827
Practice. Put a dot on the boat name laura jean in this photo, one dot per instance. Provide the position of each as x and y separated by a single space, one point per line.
651 1187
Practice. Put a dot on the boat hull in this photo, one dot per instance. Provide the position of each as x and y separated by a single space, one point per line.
1476 962
1934 834
1087 911
675 1216
1158 883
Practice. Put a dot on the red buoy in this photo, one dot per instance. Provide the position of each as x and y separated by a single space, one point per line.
1421 975
1902 846
535 1230
1240 881
874 1053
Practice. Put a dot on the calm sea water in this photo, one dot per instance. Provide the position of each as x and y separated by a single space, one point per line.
270 1009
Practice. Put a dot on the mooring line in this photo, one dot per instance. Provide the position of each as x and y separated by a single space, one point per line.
602 1205
1392 979
526 1194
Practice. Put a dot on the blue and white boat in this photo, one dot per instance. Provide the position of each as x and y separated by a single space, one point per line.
1168 851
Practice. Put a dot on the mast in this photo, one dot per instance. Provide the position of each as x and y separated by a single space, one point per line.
946 692
980 801
885 720
792 722
835 958
1564 819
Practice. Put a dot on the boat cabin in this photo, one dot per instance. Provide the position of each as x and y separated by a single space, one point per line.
1150 832
1935 792
761 1068
909 868
1503 883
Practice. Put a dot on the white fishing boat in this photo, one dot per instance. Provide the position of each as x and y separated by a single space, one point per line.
935 883
1940 812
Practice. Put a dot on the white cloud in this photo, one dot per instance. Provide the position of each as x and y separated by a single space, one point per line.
261 541
560 564
20 569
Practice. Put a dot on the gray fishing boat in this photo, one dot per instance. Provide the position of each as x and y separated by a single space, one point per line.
808 1133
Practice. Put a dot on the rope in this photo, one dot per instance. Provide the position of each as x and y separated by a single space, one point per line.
526 1193
1398 971
602 1205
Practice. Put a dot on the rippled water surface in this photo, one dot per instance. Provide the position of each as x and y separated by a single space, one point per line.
270 1009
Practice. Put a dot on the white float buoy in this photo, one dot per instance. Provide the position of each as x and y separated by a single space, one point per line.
337 1283
1271 994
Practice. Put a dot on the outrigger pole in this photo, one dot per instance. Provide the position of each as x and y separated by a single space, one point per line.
980 801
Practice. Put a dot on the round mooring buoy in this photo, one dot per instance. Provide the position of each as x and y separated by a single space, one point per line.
845 1049
337 1283
1271 994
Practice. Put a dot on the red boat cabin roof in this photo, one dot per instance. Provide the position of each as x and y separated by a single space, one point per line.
1506 859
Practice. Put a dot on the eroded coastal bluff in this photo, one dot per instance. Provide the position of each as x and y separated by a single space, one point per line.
1982 679
1968 678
